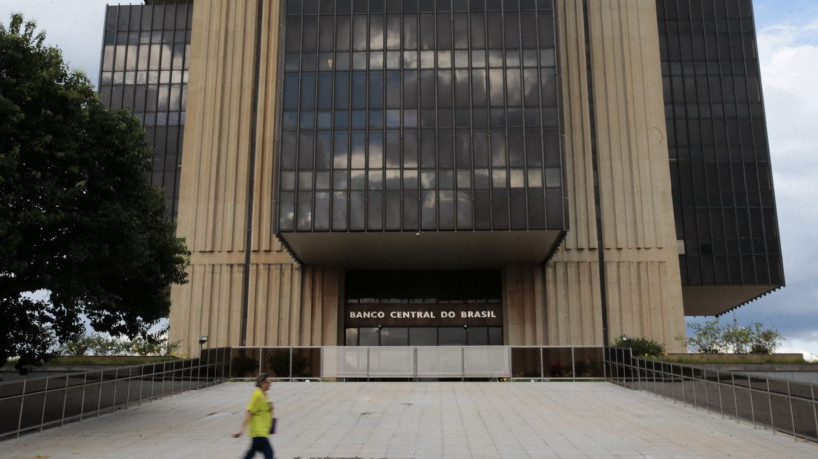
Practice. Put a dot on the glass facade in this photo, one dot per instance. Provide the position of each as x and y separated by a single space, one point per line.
145 69
419 115
436 286
424 336
438 291
717 139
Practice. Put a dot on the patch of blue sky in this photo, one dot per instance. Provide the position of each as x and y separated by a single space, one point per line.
796 21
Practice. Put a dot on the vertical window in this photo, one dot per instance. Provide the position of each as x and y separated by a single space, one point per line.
401 115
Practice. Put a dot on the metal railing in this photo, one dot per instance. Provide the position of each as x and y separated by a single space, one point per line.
34 404
784 406
419 362
37 403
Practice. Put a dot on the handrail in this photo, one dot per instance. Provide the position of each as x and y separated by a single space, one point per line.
37 403
34 404
779 404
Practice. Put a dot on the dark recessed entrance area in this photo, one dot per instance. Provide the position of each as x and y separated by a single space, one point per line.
423 308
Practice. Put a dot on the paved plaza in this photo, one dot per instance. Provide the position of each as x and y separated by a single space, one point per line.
416 420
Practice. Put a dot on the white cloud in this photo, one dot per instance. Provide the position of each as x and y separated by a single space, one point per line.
74 26
788 55
799 346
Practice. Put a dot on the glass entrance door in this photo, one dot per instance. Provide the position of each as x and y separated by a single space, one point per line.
423 308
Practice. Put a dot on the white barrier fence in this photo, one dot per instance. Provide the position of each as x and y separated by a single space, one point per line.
416 362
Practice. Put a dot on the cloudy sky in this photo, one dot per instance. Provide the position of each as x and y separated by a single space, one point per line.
788 46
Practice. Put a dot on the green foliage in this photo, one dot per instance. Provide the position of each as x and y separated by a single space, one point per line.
763 340
152 345
707 338
78 217
640 346
98 344
713 338
737 339
110 360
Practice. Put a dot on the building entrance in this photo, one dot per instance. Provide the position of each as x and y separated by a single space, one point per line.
423 308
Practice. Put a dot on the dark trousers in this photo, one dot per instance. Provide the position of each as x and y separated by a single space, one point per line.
262 445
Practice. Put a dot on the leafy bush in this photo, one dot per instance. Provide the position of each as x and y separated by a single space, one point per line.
712 338
96 344
100 344
737 339
707 338
763 340
640 346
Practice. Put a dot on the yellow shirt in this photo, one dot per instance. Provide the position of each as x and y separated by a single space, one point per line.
262 414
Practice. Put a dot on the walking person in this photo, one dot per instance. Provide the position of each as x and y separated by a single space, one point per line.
259 416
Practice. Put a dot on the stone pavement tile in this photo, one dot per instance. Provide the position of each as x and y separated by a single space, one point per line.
420 420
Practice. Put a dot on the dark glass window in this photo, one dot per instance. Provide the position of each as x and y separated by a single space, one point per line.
452 336
413 114
716 137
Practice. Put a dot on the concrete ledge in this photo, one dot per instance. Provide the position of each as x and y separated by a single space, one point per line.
740 358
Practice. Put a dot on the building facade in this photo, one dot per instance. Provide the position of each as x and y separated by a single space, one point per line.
441 172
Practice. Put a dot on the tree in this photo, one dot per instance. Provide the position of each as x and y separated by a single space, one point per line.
707 338
712 338
78 217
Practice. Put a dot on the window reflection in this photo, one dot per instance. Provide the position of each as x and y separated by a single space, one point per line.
356 89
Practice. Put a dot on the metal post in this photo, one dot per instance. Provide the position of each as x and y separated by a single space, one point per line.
181 377
99 396
128 392
616 366
614 362
291 363
752 406
718 386
64 401
84 386
655 379
22 404
230 364
706 392
462 363
217 365
660 385
198 371
207 369
573 364
153 379
116 383
735 399
415 362
367 362
141 384
45 402
814 411
164 369
770 402
693 381
792 415
542 367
